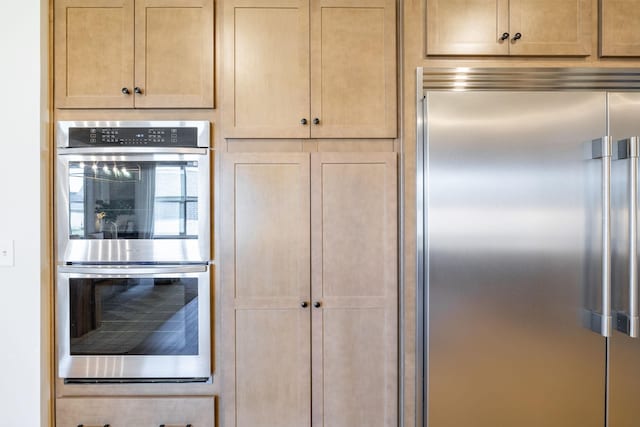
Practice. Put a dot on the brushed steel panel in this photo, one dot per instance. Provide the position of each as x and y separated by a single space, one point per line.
531 79
511 264
624 357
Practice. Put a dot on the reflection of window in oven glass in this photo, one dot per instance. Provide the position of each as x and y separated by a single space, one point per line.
176 201
133 200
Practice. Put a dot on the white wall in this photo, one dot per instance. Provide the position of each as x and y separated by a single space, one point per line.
23 376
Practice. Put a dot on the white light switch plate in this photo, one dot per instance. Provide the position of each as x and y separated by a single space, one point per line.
6 253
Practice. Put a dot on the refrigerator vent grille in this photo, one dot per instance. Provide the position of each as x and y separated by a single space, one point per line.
530 79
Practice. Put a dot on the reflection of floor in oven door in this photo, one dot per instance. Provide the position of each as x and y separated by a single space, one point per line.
145 319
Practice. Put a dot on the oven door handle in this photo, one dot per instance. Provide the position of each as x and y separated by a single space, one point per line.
133 150
136 270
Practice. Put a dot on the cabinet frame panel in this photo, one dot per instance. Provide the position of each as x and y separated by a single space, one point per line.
232 304
149 99
383 125
61 59
614 24
299 94
528 45
387 302
436 46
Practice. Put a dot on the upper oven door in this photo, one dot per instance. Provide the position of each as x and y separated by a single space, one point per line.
121 205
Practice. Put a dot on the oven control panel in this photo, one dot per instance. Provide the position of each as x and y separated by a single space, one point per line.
133 136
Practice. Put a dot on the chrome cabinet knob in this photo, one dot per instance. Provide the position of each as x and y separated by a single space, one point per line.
303 121
516 36
125 91
317 304
316 121
504 36
137 90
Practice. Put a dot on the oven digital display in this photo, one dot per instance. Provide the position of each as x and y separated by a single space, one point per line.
130 136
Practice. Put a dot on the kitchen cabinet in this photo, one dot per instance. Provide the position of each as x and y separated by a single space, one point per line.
309 69
509 27
309 289
619 34
135 411
133 53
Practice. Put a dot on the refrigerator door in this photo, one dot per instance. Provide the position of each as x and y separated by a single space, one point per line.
624 351
514 259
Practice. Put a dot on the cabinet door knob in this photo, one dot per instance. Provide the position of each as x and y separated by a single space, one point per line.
504 36
125 91
317 304
137 90
516 36
316 121
304 304
303 121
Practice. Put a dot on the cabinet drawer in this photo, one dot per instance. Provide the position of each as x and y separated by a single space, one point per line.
135 412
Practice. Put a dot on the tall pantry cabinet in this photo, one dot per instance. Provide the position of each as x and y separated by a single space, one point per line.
309 289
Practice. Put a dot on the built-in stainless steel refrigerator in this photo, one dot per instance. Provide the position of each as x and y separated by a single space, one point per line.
527 189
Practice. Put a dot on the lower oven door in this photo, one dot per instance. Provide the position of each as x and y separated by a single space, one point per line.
133 322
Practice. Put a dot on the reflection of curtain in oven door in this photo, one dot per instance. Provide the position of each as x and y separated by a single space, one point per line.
94 190
89 207
144 200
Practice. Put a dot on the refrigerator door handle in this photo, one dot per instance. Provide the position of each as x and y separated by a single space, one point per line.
601 149
628 322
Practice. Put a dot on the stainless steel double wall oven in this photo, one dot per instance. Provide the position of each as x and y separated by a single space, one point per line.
133 249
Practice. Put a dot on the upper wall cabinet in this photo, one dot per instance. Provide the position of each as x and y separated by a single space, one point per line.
619 32
509 27
126 53
309 69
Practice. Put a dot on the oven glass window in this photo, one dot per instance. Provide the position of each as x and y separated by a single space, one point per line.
133 200
134 316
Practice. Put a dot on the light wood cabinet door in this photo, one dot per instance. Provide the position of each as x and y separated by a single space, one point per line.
135 411
174 53
266 68
93 53
619 31
310 68
530 27
265 281
95 65
353 69
354 282
550 27
467 27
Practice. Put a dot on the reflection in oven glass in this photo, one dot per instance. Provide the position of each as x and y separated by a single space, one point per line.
133 200
134 316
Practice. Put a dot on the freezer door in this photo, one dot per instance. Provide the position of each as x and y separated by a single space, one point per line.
514 239
624 356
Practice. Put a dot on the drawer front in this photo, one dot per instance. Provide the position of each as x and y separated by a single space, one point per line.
135 412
